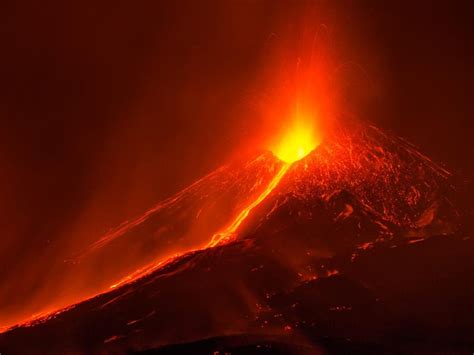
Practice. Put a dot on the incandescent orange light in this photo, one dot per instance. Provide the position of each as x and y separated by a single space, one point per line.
297 141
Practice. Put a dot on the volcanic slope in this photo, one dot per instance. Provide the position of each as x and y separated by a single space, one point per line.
359 247
181 223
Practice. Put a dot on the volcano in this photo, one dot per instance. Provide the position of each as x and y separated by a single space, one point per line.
355 246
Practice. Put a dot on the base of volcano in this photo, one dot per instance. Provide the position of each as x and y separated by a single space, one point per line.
240 299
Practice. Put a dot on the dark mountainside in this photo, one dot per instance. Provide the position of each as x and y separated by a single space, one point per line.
363 247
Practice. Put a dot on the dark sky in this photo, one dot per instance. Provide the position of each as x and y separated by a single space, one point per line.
107 107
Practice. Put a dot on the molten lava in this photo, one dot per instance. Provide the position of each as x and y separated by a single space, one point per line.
226 234
256 183
297 142
362 187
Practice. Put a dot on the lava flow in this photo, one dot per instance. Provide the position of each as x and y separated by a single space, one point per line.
297 251
227 234
218 238
296 143
298 140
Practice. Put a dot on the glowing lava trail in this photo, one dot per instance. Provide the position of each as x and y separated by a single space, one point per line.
219 237
295 144
227 234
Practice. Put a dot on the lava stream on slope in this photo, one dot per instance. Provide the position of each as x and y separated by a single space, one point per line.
361 190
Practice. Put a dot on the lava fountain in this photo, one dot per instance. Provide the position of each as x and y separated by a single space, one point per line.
297 142
298 139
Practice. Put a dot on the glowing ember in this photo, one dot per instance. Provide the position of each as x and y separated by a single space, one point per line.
297 142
